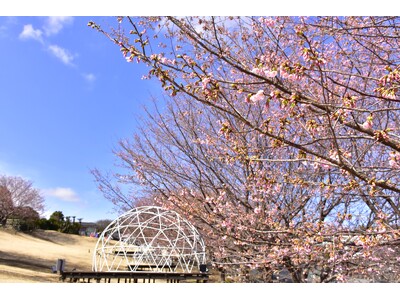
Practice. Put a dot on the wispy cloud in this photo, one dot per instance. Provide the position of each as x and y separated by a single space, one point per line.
3 31
62 54
53 25
65 194
30 33
50 27
6 24
89 77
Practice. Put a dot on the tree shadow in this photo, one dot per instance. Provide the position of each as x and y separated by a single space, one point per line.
26 262
54 237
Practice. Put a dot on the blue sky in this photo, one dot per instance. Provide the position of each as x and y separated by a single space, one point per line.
66 97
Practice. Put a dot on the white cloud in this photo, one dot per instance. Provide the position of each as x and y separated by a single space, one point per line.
3 31
30 33
54 25
47 214
62 54
90 77
51 26
65 194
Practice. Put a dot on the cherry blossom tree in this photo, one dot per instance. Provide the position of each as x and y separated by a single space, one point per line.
18 197
302 171
6 204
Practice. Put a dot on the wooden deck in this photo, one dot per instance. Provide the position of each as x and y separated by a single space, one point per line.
132 277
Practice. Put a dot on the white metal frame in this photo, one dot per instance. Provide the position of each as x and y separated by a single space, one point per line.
149 236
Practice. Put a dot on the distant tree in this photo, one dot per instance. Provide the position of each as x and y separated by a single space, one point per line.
45 224
57 216
6 204
28 218
102 224
26 212
70 227
16 194
56 220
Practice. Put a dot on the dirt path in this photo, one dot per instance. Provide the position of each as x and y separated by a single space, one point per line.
29 257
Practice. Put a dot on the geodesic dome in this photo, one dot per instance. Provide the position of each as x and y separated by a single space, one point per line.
149 237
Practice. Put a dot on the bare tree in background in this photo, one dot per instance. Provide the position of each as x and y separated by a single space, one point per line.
17 195
6 205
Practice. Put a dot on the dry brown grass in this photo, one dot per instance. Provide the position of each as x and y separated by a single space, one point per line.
29 257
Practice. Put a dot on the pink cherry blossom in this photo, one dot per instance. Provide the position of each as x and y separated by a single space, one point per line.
264 72
367 125
267 21
271 74
321 99
259 96
205 81
257 210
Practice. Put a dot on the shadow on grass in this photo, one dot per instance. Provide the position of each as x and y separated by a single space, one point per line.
26 262
55 237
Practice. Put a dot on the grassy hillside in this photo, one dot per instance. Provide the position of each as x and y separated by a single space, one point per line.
29 257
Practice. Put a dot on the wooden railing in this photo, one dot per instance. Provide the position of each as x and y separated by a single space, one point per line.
132 277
